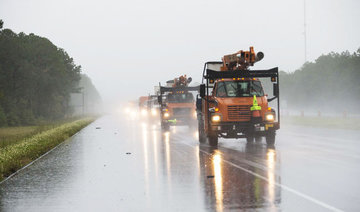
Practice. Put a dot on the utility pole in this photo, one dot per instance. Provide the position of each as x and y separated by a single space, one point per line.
83 102
305 47
82 91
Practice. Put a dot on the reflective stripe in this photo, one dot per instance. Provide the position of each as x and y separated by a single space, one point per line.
172 121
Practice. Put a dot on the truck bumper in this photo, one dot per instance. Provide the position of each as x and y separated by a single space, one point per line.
239 129
180 121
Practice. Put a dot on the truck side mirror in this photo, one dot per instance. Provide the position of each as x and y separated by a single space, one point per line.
202 90
160 99
276 89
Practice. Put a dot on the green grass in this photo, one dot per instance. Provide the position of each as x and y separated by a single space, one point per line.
18 154
13 135
326 122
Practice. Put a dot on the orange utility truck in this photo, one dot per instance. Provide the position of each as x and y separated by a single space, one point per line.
232 102
177 103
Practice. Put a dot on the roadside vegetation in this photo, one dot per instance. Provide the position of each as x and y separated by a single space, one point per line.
325 122
37 79
12 135
30 143
329 84
40 89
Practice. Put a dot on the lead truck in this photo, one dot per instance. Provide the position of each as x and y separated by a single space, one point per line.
232 102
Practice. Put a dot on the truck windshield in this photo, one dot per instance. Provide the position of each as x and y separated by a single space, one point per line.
180 98
239 89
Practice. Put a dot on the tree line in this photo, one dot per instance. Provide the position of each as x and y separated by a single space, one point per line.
36 79
330 83
88 100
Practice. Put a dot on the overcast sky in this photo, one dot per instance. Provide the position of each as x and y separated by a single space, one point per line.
127 47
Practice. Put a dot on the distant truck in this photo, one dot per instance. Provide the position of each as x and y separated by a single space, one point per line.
177 103
232 102
143 105
153 108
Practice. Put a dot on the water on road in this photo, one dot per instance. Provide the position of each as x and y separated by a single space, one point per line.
122 164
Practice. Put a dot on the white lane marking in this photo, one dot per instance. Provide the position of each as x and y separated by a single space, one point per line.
311 199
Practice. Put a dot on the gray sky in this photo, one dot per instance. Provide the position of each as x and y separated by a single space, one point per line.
127 47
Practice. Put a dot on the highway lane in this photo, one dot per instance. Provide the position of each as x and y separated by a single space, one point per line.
131 165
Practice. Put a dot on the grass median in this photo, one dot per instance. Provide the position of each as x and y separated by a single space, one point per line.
21 152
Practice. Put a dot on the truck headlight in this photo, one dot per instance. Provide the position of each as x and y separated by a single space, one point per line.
153 112
269 117
216 118
166 115
143 112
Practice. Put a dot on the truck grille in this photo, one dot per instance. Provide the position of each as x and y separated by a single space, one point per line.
239 112
182 111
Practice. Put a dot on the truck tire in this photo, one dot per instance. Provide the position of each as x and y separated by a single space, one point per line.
202 136
249 138
201 128
213 139
165 126
270 138
258 139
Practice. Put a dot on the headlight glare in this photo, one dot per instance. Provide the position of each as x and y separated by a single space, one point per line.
153 112
143 112
270 117
216 118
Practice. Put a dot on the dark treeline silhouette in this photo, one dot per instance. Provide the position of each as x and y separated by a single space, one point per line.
330 83
36 79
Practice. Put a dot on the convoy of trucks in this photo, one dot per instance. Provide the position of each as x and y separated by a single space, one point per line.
230 102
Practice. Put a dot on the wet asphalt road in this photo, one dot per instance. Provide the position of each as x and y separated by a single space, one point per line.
132 166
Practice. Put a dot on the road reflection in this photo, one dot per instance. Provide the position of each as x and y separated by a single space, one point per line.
217 164
155 149
135 166
146 155
167 153
222 178
271 162
229 187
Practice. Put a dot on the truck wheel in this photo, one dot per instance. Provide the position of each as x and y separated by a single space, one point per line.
201 130
213 139
249 138
270 138
258 139
202 137
165 126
